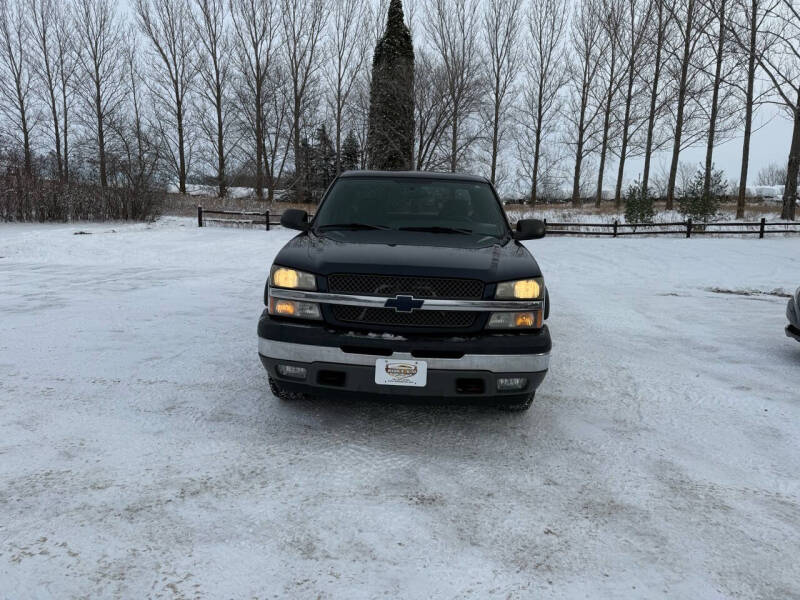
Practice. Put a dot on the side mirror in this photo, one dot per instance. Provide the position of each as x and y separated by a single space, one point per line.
530 229
293 218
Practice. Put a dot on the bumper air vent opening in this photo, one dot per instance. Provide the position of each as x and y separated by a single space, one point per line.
331 378
470 385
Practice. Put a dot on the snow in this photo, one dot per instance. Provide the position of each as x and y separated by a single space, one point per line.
142 455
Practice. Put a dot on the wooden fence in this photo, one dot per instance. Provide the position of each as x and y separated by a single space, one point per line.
686 228
245 217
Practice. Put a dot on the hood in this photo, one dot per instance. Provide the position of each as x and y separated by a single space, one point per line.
409 253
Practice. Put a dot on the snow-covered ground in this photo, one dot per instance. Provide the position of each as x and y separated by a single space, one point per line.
142 455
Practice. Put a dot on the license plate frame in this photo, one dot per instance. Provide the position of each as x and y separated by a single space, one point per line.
400 372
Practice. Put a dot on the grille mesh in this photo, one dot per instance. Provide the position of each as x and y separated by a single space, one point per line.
418 318
419 287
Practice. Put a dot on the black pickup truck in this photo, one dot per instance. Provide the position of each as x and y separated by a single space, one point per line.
407 284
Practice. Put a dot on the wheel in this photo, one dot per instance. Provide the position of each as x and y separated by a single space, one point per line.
517 406
281 392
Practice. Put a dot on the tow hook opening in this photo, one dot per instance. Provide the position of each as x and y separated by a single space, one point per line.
470 385
331 378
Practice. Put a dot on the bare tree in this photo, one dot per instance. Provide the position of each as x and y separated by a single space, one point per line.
214 70
657 51
66 57
546 75
45 17
781 63
452 28
432 111
16 76
256 29
633 49
168 25
581 114
611 27
747 22
348 51
502 27
689 26
277 129
139 148
101 62
303 23
722 110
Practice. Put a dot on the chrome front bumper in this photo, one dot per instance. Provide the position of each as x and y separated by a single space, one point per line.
493 363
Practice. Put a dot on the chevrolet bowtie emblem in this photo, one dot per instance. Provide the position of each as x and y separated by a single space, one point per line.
404 304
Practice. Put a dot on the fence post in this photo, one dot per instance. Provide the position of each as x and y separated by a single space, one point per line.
689 227
266 214
616 223
761 228
199 216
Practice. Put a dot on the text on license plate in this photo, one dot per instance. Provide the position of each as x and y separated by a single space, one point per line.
401 372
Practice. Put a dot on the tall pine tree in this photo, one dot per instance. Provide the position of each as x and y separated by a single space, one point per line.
390 140
351 153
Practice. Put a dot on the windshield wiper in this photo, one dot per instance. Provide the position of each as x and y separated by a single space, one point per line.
438 229
352 226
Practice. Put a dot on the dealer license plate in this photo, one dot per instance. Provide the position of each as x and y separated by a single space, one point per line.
413 373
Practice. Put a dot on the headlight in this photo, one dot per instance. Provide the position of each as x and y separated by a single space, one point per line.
523 289
511 320
291 279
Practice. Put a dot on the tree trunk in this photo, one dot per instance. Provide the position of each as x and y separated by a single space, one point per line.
259 131
576 178
623 151
454 144
221 176
495 128
676 147
181 148
300 170
792 169
56 128
66 136
101 138
606 126
536 152
748 111
651 119
712 126
338 128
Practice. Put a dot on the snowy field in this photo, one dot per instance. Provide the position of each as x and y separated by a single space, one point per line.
142 455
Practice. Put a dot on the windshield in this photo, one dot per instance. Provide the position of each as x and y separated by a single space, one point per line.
433 205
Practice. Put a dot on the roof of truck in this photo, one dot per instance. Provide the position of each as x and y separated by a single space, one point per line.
415 175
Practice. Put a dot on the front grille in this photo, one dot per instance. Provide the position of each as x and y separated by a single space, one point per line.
419 287
420 318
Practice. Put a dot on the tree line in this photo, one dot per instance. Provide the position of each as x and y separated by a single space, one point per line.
536 94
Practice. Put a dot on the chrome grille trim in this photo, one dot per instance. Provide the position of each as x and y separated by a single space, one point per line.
430 303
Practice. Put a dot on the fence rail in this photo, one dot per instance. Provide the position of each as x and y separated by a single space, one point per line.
686 228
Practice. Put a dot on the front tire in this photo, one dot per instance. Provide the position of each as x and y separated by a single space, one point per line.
517 406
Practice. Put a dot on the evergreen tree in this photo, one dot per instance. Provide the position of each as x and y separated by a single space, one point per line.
638 205
350 152
698 204
390 140
323 160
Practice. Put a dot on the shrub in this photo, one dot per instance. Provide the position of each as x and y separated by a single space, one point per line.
697 204
638 205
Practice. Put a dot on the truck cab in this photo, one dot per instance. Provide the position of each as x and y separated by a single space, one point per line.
407 284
